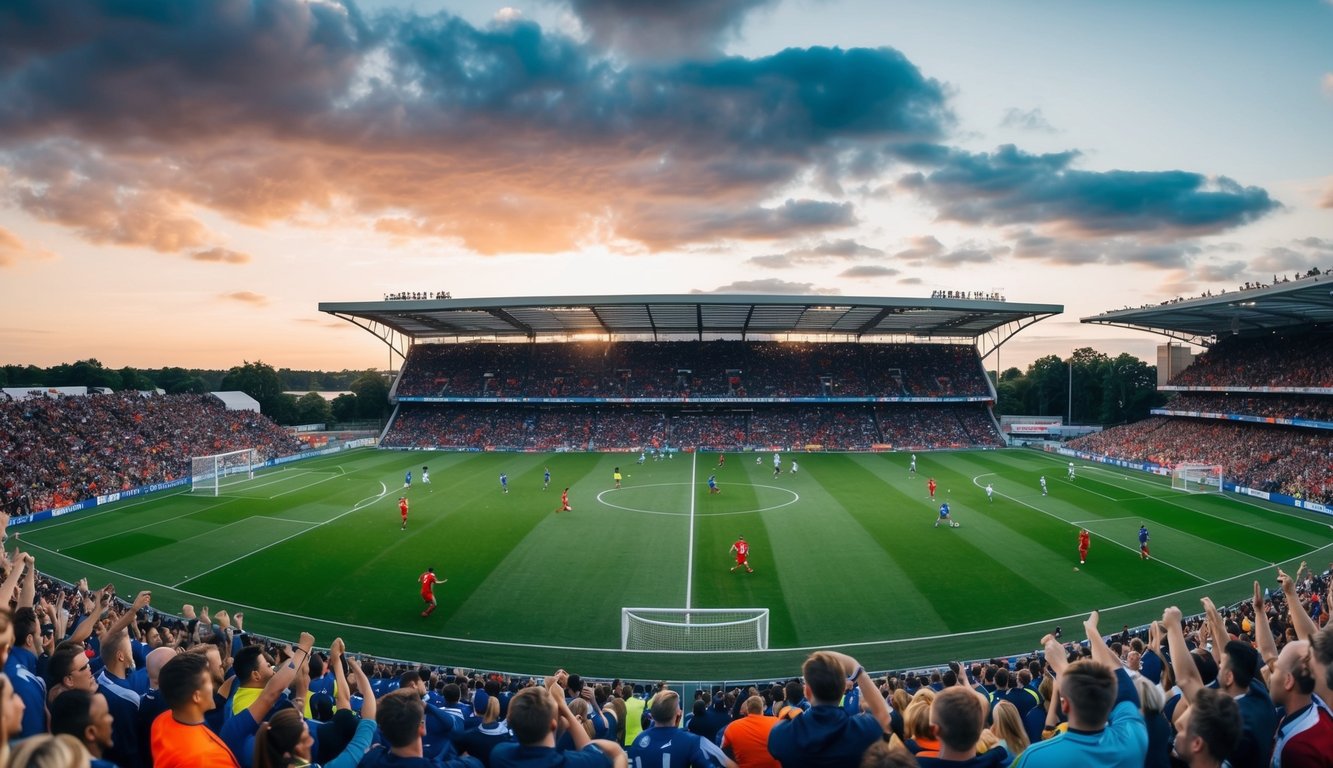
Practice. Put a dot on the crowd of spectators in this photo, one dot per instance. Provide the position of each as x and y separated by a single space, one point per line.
1291 460
1249 285
416 295
58 451
971 295
1263 405
1295 360
104 682
738 370
611 427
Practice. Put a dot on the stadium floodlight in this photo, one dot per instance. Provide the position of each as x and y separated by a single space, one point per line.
1197 478
693 630
208 474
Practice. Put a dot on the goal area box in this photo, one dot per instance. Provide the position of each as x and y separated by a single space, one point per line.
693 629
209 474
1197 478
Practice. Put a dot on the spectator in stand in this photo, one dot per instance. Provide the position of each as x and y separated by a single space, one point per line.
957 717
666 744
745 740
402 724
1208 729
535 714
827 735
1105 725
84 716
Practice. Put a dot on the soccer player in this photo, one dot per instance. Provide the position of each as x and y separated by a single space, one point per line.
911 468
546 479
777 461
425 476
428 580
777 468
795 467
402 508
944 517
1043 485
721 460
407 479
564 502
615 475
741 549
758 460
712 484
1143 541
1071 470
642 457
504 482
990 493
930 486
1084 538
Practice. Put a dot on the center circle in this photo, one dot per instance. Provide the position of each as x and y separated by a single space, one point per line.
601 499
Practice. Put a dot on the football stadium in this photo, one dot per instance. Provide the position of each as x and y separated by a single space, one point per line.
832 434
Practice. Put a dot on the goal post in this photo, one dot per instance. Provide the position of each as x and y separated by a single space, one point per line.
1197 478
693 629
209 474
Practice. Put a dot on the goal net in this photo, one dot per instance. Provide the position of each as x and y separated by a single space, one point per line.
1197 478
693 629
210 474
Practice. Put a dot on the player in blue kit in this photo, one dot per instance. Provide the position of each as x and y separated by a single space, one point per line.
1143 542
546 479
504 482
407 479
712 484
944 517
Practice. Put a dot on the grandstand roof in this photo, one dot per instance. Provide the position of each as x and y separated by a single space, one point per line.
1303 303
692 315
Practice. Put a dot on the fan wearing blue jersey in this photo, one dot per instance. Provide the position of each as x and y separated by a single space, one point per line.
666 745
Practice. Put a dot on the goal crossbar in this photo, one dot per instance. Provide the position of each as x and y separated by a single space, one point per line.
693 629
208 474
1197 478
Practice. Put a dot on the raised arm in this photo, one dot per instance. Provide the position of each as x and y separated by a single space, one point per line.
95 606
1300 620
28 584
342 697
1182 664
282 678
1263 633
1217 627
9 590
141 601
871 698
368 704
1101 652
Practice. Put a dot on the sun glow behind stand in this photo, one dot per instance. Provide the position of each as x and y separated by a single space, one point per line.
1197 478
210 474
693 629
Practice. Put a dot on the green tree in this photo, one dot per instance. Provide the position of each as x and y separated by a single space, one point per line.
260 381
1086 373
282 409
345 407
133 381
372 395
312 408
1048 391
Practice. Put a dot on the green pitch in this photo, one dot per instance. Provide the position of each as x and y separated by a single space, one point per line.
845 554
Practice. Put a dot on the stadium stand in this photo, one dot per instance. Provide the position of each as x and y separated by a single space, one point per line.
58 451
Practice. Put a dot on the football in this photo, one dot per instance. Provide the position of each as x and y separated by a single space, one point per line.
955 525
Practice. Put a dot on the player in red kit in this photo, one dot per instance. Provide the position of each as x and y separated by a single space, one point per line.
930 486
1083 540
564 502
428 581
402 508
742 551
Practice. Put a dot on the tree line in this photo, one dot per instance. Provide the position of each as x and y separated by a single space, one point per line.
1105 390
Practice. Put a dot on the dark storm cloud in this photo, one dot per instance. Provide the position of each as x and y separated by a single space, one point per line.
769 285
1010 186
638 28
868 271
1027 120
826 252
505 137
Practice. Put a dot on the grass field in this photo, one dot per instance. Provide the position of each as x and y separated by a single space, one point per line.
845 554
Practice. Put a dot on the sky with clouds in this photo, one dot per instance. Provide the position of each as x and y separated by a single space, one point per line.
181 183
